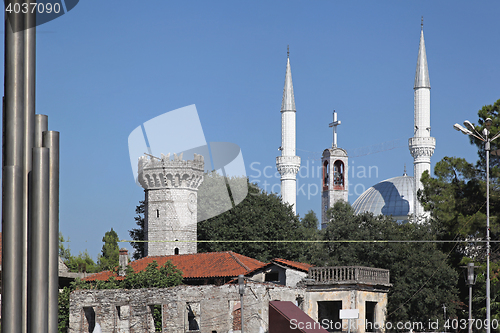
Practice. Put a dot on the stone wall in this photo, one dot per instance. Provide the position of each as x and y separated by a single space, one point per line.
210 308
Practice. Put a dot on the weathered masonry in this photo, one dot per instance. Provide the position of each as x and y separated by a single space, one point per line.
209 308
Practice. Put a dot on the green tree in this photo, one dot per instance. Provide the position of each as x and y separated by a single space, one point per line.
456 199
82 262
110 253
138 233
421 276
261 218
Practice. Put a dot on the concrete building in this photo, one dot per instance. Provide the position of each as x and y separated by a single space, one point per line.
288 163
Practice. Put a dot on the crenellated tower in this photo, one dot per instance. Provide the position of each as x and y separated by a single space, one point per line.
421 145
335 186
288 163
171 189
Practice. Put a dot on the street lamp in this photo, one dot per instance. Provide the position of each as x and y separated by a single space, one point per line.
241 287
470 130
470 280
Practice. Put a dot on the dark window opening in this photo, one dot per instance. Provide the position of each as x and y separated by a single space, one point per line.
192 319
330 310
326 171
272 277
157 316
90 315
338 174
157 213
370 316
176 250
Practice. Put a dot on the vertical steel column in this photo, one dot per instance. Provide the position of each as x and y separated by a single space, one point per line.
11 263
51 141
38 248
12 163
41 125
29 119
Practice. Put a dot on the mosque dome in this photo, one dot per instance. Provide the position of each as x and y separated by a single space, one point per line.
392 196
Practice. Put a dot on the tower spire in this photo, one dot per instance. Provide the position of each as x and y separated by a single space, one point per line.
288 163
288 102
421 145
422 72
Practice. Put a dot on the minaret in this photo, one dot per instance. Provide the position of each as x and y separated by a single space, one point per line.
335 177
288 163
422 144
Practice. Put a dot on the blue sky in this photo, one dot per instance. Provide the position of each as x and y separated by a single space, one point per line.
107 67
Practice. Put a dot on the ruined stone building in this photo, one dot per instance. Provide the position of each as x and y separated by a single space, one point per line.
210 302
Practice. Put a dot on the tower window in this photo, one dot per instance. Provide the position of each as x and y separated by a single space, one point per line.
157 213
176 250
326 171
338 174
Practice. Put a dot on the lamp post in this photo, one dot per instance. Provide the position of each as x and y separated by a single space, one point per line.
470 280
241 285
470 130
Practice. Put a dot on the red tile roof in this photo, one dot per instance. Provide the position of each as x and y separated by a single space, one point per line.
197 265
293 264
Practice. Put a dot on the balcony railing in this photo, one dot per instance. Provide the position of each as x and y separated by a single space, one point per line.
348 274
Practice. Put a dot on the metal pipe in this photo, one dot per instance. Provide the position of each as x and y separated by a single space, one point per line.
12 215
38 243
12 163
29 124
51 141
41 125
488 305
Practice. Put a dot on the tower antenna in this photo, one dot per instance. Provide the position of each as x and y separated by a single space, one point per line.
422 23
288 51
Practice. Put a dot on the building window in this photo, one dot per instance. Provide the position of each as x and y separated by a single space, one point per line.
326 171
272 277
157 213
155 317
338 174
236 314
193 316
90 316
176 250
370 316
330 310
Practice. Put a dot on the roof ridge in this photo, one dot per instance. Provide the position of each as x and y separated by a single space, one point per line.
238 261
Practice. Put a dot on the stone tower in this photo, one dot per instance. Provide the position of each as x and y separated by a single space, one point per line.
335 177
421 145
171 188
288 163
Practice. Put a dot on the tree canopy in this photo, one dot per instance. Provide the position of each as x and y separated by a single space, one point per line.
260 227
110 253
422 279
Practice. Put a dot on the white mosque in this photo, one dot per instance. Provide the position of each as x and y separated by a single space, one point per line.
396 196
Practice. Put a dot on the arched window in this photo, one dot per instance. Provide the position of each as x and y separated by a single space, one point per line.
338 174
176 250
326 171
